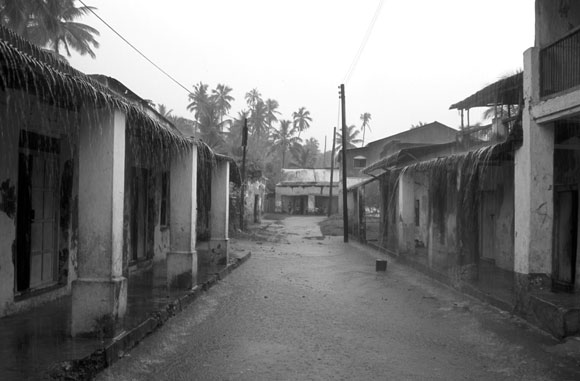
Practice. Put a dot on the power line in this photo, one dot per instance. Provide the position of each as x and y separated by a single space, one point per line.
134 48
363 44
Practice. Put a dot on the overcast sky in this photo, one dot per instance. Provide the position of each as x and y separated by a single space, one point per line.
422 56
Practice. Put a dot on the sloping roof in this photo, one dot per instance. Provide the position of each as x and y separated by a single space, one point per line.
27 67
506 91
407 156
401 135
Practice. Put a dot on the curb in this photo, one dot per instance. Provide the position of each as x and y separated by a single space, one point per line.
88 366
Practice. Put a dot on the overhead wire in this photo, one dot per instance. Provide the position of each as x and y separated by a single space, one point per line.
363 44
135 48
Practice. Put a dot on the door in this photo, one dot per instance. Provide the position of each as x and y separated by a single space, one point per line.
37 219
139 216
487 225
565 238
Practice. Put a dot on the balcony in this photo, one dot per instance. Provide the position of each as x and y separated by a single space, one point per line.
560 65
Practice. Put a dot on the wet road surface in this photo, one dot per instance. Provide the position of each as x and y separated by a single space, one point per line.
307 307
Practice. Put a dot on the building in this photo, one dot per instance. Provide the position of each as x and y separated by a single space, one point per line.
307 191
501 214
359 158
94 183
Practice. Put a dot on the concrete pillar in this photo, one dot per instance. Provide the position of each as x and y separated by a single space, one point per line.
220 215
406 220
99 295
533 182
311 203
182 258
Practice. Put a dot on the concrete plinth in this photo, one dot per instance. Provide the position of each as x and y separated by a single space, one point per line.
181 270
97 305
218 249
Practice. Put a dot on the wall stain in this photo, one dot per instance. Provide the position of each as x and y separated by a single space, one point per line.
8 199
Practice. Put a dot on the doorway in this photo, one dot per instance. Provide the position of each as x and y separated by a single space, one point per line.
565 238
36 226
139 216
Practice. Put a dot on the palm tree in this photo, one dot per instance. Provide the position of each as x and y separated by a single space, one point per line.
199 100
222 98
162 109
257 122
53 24
305 155
234 136
351 138
301 119
284 138
366 118
253 97
15 14
271 111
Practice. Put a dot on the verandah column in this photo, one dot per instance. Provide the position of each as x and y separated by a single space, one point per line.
182 257
100 292
406 220
533 183
220 212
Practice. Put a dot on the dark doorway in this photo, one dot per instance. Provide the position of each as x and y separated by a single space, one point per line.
36 259
565 238
139 213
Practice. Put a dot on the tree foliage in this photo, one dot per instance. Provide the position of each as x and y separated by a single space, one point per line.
51 24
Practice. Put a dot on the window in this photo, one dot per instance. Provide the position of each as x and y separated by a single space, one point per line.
360 161
164 214
417 212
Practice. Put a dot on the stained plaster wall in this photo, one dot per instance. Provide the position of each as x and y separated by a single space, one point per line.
442 249
19 111
554 19
413 185
498 182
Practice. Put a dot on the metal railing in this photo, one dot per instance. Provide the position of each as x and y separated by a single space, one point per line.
560 64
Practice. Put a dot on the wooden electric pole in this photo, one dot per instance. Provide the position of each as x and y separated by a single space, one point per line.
331 172
243 190
344 203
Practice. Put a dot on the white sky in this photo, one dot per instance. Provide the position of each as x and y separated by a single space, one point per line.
422 56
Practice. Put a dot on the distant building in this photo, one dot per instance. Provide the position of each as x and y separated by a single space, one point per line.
306 191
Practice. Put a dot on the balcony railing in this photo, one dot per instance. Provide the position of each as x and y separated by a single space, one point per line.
560 64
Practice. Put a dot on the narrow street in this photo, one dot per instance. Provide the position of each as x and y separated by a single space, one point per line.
311 307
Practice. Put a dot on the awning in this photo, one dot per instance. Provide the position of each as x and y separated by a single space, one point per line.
507 91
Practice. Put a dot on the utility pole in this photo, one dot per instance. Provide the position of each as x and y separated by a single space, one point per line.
324 154
331 172
243 190
344 203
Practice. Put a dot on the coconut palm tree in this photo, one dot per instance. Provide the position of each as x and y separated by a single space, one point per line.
351 138
257 122
271 111
253 97
222 98
366 118
199 100
305 155
284 138
301 120
53 24
162 109
15 14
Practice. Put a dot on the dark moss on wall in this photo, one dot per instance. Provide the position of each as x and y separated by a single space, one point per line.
8 198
